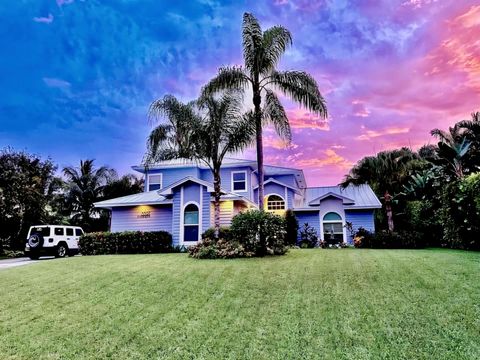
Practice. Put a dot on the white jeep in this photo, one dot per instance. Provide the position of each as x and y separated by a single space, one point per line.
58 240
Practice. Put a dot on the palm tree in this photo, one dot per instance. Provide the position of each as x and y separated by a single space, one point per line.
472 134
262 51
85 186
386 173
205 131
452 149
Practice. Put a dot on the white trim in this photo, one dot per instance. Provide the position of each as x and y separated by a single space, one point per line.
246 181
342 220
182 220
180 231
148 181
286 199
200 212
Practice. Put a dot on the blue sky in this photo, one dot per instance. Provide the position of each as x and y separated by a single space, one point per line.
78 76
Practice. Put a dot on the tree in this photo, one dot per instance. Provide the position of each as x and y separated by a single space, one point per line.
452 150
471 132
27 185
85 186
205 130
262 51
127 185
386 172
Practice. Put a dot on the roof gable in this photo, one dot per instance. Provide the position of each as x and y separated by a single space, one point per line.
274 181
345 200
362 195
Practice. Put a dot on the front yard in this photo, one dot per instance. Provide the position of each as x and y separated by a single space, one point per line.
333 304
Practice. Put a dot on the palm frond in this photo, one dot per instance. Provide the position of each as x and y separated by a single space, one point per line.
274 113
229 77
251 41
274 44
302 88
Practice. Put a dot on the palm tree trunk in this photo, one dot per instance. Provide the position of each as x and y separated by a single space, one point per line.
216 202
388 209
257 99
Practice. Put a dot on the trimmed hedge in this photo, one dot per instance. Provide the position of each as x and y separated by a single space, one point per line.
128 242
388 240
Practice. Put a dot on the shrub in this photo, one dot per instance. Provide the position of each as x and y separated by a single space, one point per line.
222 249
129 242
308 237
259 232
224 233
388 240
291 224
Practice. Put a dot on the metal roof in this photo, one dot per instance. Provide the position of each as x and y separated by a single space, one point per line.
143 198
362 195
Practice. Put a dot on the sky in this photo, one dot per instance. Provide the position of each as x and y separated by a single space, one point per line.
77 77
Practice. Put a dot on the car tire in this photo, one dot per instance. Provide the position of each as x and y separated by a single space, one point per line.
35 241
61 250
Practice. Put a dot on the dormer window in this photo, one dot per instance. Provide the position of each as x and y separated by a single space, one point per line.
239 181
154 182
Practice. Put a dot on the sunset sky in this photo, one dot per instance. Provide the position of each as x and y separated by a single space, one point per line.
77 77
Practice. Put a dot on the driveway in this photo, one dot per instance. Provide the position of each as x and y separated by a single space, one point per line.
9 263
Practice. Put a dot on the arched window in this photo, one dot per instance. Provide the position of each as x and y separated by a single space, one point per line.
332 228
275 202
190 223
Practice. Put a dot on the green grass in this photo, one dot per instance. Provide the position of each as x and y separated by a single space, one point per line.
332 304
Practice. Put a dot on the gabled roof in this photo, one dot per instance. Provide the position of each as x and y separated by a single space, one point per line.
362 196
144 198
183 163
168 190
272 180
345 199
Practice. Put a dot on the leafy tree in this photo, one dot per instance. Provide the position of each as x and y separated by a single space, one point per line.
386 172
291 224
27 185
127 185
85 186
205 130
262 51
471 132
452 150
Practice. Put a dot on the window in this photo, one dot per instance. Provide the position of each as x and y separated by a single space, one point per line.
69 231
275 202
44 231
78 232
332 228
239 181
154 182
58 231
190 223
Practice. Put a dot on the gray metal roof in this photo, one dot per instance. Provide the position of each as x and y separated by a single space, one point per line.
143 198
362 195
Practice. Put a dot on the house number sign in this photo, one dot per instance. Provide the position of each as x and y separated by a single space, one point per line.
144 215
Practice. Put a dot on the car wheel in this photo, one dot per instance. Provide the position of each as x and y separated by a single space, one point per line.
62 251
35 241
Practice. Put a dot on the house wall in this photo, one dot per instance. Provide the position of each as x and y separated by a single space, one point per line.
360 218
312 218
142 218
226 176
169 176
286 179
332 204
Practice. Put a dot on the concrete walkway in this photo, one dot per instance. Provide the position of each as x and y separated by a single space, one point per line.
10 263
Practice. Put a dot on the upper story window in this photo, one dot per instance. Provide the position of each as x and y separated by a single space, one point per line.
275 202
239 181
154 182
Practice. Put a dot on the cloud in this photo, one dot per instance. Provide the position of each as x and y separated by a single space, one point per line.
45 20
371 134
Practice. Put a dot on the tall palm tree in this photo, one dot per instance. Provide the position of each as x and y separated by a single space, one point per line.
85 186
205 130
386 173
262 51
472 134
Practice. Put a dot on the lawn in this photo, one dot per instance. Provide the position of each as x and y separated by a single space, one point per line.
332 304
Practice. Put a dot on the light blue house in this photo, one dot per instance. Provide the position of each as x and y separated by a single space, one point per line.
178 198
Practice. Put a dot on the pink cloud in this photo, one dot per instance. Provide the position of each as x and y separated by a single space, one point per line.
370 134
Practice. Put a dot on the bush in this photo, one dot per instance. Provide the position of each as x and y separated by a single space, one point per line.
308 237
259 232
291 224
222 249
129 242
388 240
224 233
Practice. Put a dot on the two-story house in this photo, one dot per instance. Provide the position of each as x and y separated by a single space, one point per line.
178 198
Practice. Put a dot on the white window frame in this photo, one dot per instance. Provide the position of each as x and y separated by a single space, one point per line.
148 180
182 222
341 221
246 181
281 197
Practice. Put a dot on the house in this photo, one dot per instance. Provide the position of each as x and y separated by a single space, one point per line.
178 198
